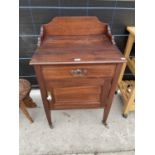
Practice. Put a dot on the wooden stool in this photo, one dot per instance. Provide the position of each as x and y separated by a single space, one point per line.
126 87
24 98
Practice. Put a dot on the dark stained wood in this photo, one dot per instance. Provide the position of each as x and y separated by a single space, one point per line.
75 26
83 91
77 64
90 49
43 93
24 97
74 82
105 88
24 110
69 94
29 102
75 105
73 71
111 93
66 38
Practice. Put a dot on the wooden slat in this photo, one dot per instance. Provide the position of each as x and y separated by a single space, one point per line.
128 48
132 107
131 30
131 65
127 88
127 91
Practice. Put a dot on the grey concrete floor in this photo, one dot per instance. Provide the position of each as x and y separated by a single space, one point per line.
76 131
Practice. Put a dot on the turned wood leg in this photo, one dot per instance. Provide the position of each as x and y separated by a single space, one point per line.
24 110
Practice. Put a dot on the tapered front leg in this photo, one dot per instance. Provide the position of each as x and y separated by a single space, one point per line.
106 113
48 116
44 94
111 94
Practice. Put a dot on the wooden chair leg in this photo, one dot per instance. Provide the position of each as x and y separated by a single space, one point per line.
127 105
24 110
29 102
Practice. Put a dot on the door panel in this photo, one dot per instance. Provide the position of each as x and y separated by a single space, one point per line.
90 95
71 94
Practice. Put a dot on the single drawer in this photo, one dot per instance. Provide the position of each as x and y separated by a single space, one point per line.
74 71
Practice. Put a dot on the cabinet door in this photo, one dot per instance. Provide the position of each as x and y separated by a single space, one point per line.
75 93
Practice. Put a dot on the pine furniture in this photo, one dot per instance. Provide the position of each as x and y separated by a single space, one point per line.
127 87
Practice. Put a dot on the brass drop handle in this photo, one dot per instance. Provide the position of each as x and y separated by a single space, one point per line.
78 72
49 96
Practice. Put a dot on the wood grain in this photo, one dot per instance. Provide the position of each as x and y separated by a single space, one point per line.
88 71
67 38
71 26
77 64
